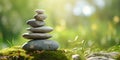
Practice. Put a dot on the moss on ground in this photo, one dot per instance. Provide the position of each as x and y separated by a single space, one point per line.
17 53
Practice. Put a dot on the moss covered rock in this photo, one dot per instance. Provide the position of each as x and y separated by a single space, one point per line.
104 56
17 53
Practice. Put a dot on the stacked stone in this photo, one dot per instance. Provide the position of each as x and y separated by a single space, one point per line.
38 34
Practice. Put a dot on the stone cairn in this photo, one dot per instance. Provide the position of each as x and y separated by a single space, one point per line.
38 34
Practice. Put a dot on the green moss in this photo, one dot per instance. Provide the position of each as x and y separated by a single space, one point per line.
13 53
51 55
117 57
17 53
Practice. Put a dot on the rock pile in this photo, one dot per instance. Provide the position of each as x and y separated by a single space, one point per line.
38 34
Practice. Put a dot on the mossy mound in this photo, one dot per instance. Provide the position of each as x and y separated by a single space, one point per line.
104 56
17 53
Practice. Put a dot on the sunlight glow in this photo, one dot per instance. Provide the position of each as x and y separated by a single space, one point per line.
94 27
77 11
116 19
99 3
87 10
68 7
83 8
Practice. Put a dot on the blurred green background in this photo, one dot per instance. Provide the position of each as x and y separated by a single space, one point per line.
76 23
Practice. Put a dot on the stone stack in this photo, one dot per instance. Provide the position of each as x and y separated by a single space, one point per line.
38 34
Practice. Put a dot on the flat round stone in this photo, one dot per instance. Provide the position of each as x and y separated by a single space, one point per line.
38 45
43 29
40 17
35 23
37 35
39 11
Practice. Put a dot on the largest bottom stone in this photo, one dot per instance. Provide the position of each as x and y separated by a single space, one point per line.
34 45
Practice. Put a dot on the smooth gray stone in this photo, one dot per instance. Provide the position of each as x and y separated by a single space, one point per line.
35 23
39 11
34 45
36 35
43 29
40 17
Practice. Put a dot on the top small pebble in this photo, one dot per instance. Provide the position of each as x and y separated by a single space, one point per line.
39 11
40 15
